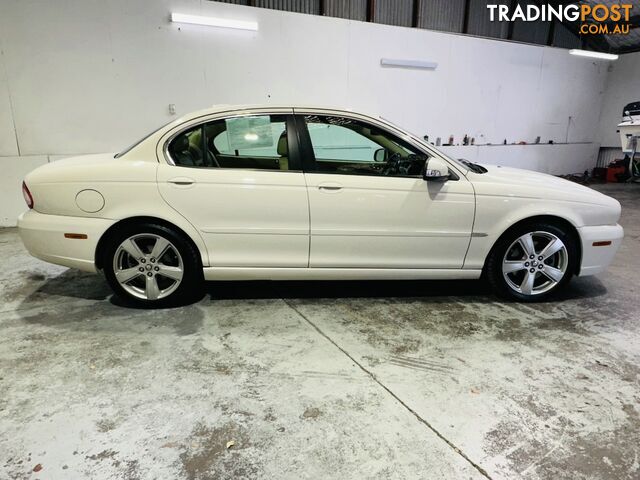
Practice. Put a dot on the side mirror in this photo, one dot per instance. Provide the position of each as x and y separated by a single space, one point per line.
435 169
380 155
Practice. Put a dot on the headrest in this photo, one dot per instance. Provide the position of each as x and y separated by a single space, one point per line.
283 148
180 144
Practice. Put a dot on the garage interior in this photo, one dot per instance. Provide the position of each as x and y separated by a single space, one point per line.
404 379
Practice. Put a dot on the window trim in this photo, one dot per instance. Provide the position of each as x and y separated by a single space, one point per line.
310 163
292 141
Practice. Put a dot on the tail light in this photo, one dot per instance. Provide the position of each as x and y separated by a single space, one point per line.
27 195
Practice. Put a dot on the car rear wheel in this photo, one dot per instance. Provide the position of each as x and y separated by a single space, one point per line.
153 266
532 262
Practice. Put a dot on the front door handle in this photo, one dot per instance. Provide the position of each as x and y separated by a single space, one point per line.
182 181
330 187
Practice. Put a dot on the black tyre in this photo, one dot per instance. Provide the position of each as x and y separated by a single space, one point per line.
151 265
532 261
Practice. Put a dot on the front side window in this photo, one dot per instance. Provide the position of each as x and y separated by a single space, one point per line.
351 147
255 142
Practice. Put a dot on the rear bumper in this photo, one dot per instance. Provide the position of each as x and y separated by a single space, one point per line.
43 236
596 259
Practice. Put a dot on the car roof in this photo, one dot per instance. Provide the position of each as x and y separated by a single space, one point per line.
220 108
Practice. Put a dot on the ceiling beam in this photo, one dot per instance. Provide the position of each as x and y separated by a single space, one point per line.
465 18
511 25
415 13
371 10
551 32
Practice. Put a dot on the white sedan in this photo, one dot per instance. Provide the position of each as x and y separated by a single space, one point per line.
305 193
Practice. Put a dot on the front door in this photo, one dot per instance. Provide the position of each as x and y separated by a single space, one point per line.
237 182
369 205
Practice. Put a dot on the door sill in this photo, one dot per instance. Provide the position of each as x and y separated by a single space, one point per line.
267 273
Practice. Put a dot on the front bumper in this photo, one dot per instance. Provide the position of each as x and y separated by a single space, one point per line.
44 237
596 259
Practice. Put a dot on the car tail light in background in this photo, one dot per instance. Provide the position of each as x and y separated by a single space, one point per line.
27 195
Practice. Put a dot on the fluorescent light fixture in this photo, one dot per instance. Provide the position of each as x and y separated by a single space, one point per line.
213 21
587 53
420 64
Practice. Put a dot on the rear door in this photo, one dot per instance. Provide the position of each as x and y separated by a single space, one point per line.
238 180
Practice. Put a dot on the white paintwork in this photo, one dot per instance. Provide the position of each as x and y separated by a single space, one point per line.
257 218
381 222
506 195
43 235
277 224
597 259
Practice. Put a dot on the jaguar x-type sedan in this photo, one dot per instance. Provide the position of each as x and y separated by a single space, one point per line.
307 193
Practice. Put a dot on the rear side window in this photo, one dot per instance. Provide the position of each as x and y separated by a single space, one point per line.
252 142
188 149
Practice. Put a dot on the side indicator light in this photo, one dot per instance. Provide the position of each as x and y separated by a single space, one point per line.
76 236
602 244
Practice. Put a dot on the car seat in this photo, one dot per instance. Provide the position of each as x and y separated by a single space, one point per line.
283 151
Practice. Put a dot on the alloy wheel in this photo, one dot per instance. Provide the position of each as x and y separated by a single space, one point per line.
535 263
148 266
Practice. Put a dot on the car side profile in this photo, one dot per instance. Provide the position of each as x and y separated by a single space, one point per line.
293 193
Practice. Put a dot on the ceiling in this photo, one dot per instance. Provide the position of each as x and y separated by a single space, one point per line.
467 17
629 42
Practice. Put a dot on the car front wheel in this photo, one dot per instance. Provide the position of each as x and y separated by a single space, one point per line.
531 262
153 266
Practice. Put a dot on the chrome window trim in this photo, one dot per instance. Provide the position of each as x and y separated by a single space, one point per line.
198 122
383 125
235 113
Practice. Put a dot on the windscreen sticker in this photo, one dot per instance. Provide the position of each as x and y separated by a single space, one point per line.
249 132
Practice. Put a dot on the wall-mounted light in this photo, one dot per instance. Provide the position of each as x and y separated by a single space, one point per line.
419 64
587 53
213 21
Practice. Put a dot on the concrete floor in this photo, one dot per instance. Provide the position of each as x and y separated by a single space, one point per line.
321 380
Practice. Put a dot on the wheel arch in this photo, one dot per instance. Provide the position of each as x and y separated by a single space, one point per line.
552 219
137 220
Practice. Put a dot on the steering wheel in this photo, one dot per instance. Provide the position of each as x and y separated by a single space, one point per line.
392 165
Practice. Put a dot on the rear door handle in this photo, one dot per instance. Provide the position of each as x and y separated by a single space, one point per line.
330 187
182 181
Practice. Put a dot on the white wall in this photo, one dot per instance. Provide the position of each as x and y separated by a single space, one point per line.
622 87
85 76
557 159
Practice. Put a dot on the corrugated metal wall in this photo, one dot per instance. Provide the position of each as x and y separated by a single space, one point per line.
300 6
352 9
444 15
564 38
393 12
531 32
606 155
457 16
479 21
